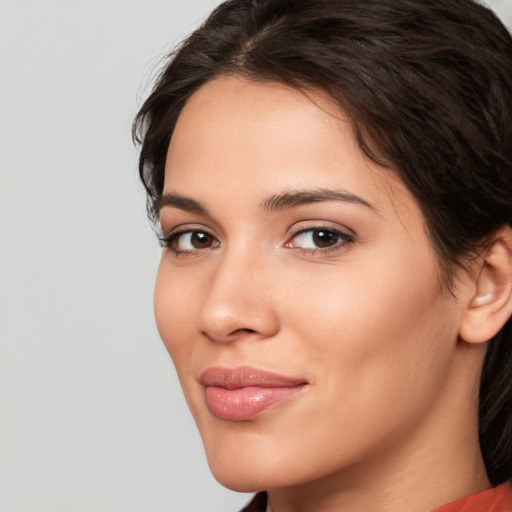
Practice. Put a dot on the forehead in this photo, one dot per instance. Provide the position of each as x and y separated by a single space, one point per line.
256 139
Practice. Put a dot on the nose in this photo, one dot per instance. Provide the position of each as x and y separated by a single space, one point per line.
239 301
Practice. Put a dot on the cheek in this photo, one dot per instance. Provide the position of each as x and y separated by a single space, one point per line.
174 305
375 335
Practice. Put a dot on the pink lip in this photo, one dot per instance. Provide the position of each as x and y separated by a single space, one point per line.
241 394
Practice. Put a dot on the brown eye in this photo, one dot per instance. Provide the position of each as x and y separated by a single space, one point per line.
189 241
319 238
325 238
200 240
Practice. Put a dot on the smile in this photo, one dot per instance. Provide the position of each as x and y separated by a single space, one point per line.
241 394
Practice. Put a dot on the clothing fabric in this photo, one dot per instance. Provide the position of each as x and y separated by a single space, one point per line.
497 499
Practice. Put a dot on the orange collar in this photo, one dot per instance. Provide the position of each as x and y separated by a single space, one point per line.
497 499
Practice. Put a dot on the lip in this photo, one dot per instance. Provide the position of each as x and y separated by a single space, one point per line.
243 393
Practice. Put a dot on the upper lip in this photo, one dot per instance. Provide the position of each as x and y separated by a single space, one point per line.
243 376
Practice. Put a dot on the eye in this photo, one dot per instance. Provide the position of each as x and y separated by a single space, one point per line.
189 241
315 239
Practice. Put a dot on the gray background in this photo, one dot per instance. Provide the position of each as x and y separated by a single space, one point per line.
91 415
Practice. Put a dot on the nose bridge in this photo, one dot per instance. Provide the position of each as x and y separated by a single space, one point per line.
239 298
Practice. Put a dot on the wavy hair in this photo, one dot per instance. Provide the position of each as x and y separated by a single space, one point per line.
427 87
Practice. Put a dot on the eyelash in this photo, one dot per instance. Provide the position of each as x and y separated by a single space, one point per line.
167 241
344 238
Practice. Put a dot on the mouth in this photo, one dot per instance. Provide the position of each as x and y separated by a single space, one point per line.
243 393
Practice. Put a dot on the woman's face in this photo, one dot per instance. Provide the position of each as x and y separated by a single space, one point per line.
298 294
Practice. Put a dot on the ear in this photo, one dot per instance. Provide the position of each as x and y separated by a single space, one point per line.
491 303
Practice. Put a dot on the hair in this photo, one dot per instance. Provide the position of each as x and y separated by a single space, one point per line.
427 87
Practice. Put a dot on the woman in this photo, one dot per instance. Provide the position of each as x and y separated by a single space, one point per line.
333 182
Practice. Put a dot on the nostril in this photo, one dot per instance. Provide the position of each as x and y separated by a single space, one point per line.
232 336
240 332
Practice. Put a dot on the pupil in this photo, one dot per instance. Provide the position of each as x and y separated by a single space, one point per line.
201 240
324 238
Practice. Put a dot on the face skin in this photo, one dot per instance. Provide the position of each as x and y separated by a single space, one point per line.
341 293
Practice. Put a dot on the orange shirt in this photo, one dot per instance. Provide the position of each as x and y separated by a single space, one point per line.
498 499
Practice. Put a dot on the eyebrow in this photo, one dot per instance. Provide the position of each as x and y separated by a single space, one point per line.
181 202
293 199
277 202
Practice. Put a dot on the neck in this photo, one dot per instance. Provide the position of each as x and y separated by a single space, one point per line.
438 462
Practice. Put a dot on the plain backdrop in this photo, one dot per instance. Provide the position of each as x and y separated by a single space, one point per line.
91 414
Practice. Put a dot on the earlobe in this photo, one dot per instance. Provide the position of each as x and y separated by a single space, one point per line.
491 305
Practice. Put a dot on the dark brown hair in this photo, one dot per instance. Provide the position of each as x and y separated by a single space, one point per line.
427 85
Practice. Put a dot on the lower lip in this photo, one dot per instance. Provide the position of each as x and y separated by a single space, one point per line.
246 403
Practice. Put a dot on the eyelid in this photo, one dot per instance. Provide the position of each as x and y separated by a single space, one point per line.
167 237
344 232
181 228
308 225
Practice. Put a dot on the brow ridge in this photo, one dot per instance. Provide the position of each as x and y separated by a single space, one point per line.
274 203
178 201
294 199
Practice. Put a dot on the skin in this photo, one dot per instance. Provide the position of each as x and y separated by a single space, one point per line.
388 419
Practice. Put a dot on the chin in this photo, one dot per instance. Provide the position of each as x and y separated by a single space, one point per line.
238 483
255 463
240 474
250 478
246 466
